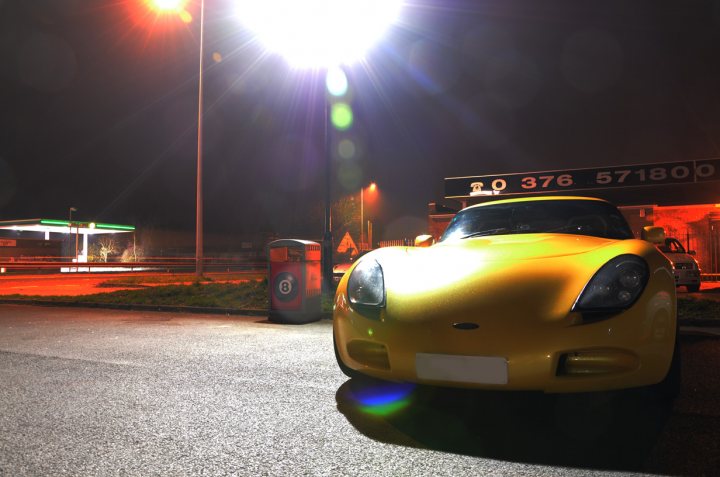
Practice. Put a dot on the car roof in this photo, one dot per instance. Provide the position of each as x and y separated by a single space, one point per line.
535 199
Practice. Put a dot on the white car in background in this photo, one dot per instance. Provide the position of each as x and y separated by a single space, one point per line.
339 269
685 268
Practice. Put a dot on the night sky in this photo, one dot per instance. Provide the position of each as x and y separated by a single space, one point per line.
98 108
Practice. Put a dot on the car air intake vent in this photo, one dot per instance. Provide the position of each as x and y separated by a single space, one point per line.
368 353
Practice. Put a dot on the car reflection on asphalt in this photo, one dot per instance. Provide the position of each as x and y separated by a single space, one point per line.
609 430
627 430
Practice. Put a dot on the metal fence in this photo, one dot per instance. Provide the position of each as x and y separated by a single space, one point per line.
396 243
714 269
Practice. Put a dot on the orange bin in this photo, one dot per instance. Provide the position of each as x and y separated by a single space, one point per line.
294 281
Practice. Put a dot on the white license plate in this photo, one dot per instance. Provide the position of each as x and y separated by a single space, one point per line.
461 369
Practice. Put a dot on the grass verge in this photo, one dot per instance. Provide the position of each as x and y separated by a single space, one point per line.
178 279
253 295
247 295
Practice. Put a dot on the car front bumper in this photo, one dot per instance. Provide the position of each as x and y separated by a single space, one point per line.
513 352
687 277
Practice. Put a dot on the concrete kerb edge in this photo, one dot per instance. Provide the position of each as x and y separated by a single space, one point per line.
699 322
138 307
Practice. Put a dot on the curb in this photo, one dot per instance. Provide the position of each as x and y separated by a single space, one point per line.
139 307
700 331
699 322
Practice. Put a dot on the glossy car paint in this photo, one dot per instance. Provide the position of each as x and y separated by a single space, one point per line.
518 290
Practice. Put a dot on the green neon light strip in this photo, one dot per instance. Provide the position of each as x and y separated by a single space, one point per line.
65 223
114 226
54 222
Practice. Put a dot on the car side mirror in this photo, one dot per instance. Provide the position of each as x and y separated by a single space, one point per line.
652 234
424 240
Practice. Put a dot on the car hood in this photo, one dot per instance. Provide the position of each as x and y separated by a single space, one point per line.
680 257
525 246
452 257
511 275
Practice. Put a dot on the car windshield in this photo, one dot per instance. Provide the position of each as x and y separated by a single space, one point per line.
579 217
672 246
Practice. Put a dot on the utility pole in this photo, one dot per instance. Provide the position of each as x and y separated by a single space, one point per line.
70 212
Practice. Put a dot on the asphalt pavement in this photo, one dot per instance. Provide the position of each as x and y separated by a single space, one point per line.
88 392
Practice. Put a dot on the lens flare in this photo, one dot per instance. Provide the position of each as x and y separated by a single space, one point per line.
385 398
346 149
341 116
336 82
186 17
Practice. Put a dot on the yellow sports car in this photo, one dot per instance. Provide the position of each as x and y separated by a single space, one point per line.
551 294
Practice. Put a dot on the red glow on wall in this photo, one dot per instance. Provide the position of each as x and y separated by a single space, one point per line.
697 227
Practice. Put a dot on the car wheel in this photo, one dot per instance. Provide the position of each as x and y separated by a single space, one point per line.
669 388
347 371
693 288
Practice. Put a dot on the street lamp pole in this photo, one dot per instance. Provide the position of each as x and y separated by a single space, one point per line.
362 203
70 211
327 242
198 187
177 7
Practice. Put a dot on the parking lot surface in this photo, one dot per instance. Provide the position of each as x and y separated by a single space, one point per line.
108 392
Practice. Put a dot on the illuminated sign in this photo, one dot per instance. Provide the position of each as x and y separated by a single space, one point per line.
8 243
664 173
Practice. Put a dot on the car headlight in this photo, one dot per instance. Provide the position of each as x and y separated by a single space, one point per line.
366 284
615 287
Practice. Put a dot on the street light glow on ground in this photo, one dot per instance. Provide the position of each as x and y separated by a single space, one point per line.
318 33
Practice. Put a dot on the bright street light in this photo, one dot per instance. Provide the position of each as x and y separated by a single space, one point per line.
167 6
321 34
170 8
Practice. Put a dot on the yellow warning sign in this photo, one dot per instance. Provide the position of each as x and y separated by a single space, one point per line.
347 244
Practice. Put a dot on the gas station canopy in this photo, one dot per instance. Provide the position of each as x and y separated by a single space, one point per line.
48 226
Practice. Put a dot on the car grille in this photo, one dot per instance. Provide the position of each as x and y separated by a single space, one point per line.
684 266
